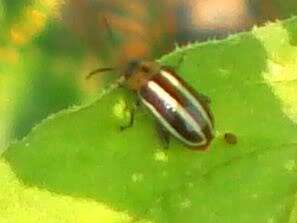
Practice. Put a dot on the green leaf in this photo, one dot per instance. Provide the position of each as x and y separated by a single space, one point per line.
78 166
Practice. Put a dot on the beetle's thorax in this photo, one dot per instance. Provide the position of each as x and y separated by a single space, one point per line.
138 73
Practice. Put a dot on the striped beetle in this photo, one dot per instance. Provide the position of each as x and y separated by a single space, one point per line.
179 109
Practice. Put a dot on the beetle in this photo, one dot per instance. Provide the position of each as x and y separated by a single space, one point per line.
179 109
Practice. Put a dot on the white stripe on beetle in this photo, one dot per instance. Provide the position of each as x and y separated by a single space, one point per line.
187 94
177 108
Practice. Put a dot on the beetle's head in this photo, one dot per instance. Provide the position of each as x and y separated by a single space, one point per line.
132 67
145 68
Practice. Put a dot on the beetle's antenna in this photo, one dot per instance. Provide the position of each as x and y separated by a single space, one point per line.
118 82
104 69
99 70
109 30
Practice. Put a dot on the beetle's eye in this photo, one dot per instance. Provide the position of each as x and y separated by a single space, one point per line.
145 69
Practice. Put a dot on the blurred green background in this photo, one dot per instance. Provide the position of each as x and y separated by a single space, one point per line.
47 47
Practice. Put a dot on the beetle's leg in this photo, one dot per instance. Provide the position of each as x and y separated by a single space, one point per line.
131 121
180 61
163 135
203 98
121 85
137 103
131 110
177 65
